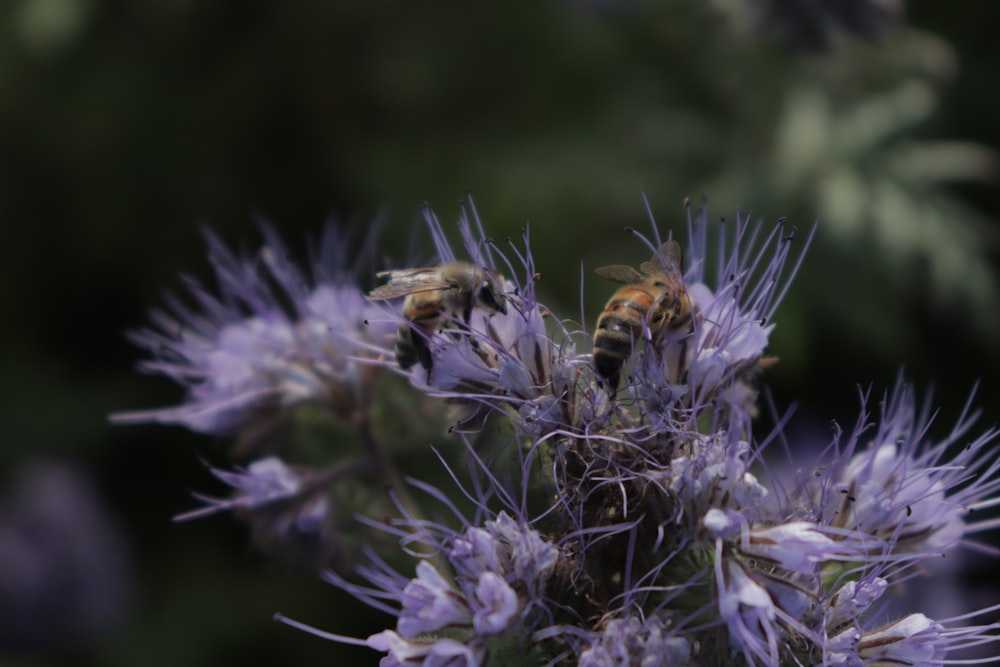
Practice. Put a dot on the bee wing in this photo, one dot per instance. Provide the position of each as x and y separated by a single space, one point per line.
668 259
620 273
402 282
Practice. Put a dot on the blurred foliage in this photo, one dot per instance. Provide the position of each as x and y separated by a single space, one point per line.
126 124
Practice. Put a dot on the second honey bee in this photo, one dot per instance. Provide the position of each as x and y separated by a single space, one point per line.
433 294
656 298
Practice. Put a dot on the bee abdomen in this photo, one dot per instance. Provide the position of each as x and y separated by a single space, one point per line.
617 329
405 349
412 343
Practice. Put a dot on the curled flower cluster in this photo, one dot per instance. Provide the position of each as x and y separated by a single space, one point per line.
275 348
638 522
270 342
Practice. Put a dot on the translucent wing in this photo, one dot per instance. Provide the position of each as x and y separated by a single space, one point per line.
667 259
620 273
407 281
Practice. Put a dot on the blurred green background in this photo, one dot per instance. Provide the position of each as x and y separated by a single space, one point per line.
125 126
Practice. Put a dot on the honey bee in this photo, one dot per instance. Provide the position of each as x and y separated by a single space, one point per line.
655 297
433 294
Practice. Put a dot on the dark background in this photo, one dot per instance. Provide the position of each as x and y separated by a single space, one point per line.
125 126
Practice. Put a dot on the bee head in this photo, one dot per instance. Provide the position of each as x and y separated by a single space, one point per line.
490 294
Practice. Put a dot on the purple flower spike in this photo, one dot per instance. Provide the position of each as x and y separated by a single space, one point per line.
268 342
900 486
262 483
626 642
620 516
500 360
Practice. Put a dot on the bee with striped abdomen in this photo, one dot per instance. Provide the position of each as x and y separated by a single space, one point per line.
654 297
449 291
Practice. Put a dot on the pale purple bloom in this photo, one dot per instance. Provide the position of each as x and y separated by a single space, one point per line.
709 365
495 604
630 641
474 552
269 341
801 546
430 603
500 360
899 485
288 508
747 609
714 473
261 483
499 588
526 558
445 652
912 640
853 599
638 525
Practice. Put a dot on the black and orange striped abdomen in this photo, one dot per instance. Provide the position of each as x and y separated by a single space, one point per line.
423 313
618 327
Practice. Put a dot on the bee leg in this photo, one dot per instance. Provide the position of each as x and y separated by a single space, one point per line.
462 329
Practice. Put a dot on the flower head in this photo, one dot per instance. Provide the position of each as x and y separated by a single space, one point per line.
490 360
900 485
269 341
640 524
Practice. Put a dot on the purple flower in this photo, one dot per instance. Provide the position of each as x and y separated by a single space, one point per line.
262 483
526 558
500 361
748 610
638 525
630 641
901 486
495 604
268 342
404 652
499 589
913 640
801 546
475 551
708 365
430 603
289 508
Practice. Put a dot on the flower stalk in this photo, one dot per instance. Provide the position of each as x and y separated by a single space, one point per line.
628 512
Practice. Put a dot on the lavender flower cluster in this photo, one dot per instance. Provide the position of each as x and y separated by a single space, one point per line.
587 523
